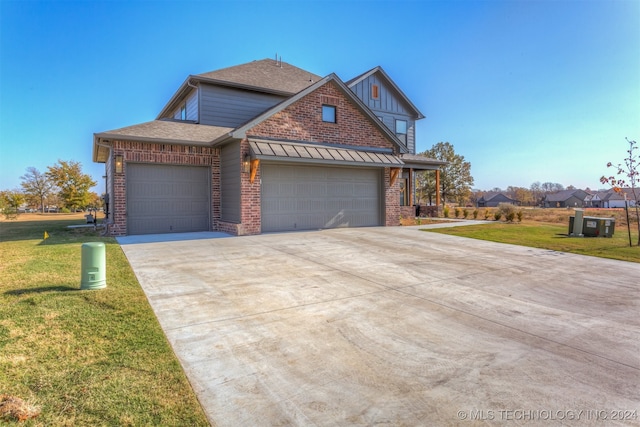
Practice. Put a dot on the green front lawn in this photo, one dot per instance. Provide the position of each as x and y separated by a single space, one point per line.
91 357
551 236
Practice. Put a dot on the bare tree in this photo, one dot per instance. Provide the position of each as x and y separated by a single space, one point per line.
629 168
36 185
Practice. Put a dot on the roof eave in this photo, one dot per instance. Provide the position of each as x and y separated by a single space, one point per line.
180 93
137 138
210 80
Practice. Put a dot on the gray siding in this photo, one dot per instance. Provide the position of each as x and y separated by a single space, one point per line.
223 106
192 107
388 107
230 164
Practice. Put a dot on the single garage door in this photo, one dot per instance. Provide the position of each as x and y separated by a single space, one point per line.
167 199
307 197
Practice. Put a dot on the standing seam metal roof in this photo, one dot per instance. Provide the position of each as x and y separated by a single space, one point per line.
291 151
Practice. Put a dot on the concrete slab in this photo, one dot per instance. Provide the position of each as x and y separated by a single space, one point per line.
396 326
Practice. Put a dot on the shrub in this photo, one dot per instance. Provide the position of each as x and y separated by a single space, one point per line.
475 214
506 209
486 214
65 210
446 212
457 212
519 214
510 216
465 213
497 215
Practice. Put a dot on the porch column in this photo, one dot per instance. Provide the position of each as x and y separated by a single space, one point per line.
411 185
437 187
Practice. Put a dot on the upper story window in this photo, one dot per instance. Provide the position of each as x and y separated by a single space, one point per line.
375 92
329 113
401 127
183 111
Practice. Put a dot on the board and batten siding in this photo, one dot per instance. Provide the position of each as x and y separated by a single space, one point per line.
230 164
221 106
388 107
192 107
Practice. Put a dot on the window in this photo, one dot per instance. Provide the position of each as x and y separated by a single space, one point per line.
375 92
404 191
183 112
329 113
401 127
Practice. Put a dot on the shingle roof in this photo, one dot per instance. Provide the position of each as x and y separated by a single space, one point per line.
318 153
265 74
416 161
167 131
561 196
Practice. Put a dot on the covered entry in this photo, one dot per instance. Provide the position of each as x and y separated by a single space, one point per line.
304 197
167 198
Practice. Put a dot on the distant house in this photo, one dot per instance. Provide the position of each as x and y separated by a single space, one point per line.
493 199
565 199
613 199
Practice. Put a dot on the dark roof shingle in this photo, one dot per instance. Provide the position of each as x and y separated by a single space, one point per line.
265 74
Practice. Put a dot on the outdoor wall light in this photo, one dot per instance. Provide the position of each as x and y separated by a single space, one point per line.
119 162
246 163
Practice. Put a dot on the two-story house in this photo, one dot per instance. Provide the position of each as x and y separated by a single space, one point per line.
265 146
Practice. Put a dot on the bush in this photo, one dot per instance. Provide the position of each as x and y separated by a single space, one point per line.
486 214
510 216
65 210
506 209
475 214
446 212
519 214
465 213
497 215
457 211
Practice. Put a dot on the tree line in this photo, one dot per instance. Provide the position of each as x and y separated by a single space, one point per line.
456 182
63 185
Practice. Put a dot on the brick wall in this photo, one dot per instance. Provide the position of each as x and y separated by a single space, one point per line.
142 152
302 121
392 200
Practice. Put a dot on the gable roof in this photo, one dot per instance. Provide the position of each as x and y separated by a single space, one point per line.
490 195
265 75
561 196
240 132
385 77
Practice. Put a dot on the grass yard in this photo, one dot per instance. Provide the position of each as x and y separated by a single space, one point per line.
552 236
94 357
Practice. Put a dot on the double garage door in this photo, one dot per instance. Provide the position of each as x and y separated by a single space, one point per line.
167 198
306 197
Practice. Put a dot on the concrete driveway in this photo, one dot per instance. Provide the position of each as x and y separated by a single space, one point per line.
395 326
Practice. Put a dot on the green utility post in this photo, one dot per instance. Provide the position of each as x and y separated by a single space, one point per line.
93 266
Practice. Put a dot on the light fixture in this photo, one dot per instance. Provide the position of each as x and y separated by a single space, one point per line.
246 163
119 163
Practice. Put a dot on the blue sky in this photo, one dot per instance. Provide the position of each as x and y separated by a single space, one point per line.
524 90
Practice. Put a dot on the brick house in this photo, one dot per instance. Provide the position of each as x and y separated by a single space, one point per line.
265 146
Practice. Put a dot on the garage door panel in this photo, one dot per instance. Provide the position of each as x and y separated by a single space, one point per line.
310 197
167 198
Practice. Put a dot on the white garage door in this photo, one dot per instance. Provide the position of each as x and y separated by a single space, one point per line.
313 197
167 199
